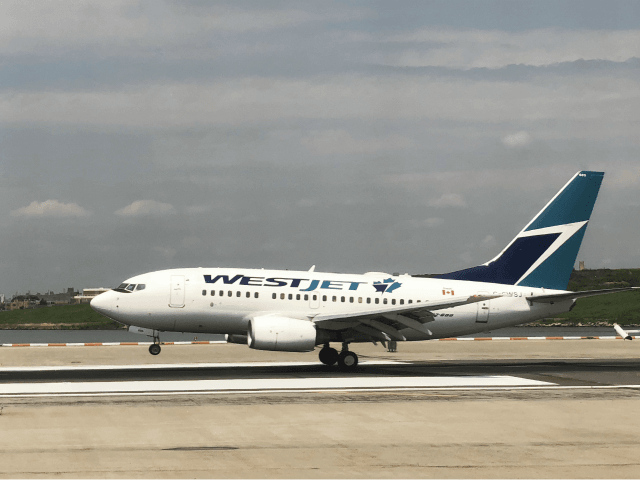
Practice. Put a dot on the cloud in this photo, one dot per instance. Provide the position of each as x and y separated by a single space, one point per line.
612 102
488 242
120 24
626 176
141 208
50 208
495 48
516 140
448 200
433 222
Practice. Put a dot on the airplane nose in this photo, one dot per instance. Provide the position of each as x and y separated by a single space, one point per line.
103 304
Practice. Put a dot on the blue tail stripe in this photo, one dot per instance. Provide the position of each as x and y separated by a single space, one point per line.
555 271
573 204
511 265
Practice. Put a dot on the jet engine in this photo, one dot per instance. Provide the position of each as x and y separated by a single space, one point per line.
281 334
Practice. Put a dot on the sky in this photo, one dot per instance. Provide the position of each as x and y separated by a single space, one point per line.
397 136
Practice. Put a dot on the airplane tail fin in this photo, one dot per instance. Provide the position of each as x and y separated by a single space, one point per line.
544 252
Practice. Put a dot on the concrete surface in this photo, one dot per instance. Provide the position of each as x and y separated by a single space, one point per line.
542 434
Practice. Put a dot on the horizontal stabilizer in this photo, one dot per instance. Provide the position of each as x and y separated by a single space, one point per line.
556 297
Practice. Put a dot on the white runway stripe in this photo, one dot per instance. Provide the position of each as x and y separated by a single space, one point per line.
263 385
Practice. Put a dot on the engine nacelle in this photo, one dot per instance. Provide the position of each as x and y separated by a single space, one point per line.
281 334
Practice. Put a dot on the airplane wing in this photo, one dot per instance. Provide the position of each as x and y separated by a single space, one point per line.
385 323
556 297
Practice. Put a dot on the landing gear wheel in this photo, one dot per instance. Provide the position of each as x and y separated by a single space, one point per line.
154 349
347 360
328 356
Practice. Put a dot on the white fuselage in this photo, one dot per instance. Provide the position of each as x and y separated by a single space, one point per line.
223 300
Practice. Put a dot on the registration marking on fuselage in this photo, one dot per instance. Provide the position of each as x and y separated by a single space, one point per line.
262 385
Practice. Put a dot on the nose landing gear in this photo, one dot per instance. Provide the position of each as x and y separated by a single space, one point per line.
154 348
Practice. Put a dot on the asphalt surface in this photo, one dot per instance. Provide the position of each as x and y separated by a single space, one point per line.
569 372
481 409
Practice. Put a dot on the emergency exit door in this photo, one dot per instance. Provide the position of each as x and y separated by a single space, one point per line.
482 315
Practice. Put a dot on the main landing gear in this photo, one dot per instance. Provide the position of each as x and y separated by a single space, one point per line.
346 360
154 348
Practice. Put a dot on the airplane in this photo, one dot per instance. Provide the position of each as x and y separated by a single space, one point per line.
296 311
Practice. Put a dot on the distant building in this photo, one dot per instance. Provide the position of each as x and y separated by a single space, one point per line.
88 294
17 304
1 297
581 265
64 298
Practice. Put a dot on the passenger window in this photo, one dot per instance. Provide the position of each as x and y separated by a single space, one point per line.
377 301
230 294
393 302
297 296
282 296
359 299
273 295
410 301
315 297
306 297
417 301
290 296
350 299
221 292
401 301
255 295
384 301
238 294
342 299
248 294
324 298
334 299
368 300
204 293
213 293
141 286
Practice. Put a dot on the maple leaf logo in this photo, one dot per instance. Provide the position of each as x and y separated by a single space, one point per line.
386 286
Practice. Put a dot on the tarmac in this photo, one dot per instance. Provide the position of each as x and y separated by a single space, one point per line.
480 409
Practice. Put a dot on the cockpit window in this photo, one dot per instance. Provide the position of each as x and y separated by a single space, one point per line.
130 287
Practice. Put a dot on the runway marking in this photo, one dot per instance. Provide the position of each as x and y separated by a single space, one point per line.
216 342
177 366
318 384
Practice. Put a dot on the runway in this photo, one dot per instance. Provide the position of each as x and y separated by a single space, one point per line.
312 377
542 409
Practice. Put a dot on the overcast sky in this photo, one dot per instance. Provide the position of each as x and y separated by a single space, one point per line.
399 136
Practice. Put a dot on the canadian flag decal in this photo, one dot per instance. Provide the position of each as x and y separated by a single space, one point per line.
447 291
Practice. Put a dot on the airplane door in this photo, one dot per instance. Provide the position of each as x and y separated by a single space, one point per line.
176 297
483 309
314 300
